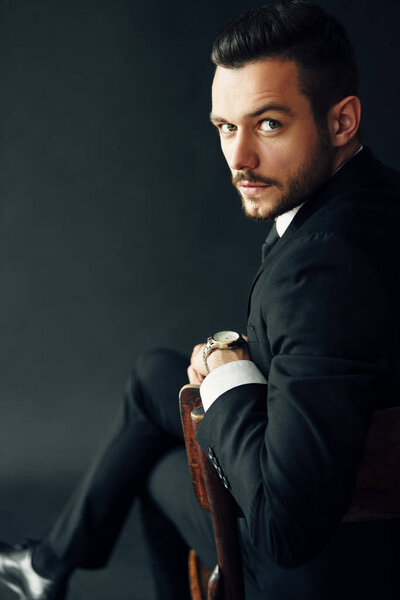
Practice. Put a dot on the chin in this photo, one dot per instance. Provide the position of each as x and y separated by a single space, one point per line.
258 210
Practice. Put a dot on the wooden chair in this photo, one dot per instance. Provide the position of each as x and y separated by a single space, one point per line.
226 580
376 497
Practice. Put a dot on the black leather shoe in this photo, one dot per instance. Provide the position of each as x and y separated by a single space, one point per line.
17 573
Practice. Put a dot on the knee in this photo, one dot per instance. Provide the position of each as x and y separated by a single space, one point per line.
155 364
158 372
155 384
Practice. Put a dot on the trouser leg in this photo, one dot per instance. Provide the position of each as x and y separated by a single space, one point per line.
173 522
170 511
147 426
166 553
169 488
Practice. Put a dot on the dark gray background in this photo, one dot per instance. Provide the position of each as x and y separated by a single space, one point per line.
119 228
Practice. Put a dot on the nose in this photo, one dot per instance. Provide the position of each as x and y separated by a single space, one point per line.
242 154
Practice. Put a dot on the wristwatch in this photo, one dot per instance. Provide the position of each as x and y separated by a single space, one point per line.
222 340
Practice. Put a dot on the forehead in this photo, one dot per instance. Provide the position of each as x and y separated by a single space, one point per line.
237 92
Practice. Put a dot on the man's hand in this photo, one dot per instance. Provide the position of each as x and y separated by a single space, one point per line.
197 370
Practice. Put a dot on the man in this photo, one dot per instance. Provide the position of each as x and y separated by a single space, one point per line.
287 413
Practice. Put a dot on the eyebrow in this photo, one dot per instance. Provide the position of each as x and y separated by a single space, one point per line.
271 106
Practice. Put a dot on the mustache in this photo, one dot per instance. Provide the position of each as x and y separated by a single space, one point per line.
250 177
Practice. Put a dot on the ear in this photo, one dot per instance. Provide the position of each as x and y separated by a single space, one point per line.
344 120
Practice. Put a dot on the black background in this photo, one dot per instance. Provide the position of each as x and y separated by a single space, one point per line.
119 228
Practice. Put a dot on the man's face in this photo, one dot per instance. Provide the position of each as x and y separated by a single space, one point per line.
269 138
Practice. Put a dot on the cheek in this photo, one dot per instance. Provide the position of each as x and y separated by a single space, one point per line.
279 156
285 155
226 151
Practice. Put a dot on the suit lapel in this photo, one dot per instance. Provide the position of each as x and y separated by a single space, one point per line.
362 167
261 267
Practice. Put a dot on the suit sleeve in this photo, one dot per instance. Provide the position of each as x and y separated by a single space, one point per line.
291 450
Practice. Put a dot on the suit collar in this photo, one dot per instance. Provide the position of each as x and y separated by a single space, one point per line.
360 169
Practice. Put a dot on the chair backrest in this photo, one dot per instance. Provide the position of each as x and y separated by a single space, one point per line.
377 491
226 581
376 495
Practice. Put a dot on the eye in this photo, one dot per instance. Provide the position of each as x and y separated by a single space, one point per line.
268 125
226 128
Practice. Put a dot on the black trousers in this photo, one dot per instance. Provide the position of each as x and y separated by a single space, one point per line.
143 457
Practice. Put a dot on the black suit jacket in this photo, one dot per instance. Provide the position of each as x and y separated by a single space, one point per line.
323 327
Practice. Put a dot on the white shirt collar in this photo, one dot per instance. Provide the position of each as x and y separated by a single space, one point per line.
283 221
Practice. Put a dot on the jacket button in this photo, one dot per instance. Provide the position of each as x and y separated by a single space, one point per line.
211 454
226 483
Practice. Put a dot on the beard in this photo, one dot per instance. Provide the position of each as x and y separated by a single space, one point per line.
310 177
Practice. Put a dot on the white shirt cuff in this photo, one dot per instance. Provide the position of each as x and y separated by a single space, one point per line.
227 377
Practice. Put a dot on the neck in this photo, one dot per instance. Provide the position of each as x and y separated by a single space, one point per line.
345 153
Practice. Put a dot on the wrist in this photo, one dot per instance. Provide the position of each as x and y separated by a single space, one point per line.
219 357
222 340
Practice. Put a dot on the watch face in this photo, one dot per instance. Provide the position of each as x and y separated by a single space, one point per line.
226 336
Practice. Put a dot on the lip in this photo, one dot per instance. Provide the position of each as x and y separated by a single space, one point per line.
252 189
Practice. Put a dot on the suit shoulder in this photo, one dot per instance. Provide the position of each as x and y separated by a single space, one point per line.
364 195
366 218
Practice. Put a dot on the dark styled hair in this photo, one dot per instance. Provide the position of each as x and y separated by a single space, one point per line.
299 31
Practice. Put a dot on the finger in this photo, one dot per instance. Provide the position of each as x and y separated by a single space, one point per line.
197 363
197 348
194 377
